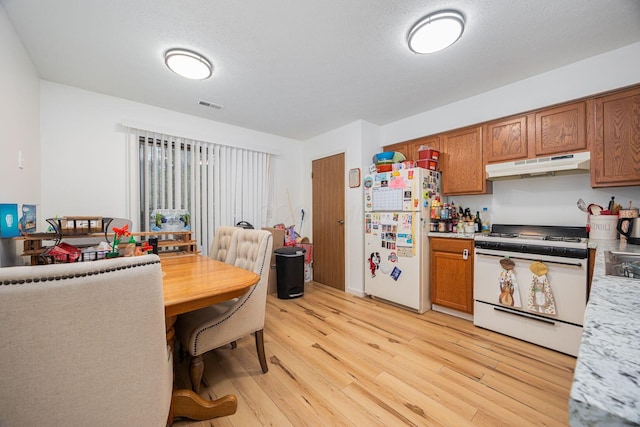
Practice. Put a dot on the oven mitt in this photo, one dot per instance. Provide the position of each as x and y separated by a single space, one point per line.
508 292
540 295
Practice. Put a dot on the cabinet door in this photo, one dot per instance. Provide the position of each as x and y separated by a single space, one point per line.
451 274
561 129
506 140
461 163
615 157
400 147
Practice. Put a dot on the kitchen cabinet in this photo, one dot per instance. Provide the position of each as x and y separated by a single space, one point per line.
561 129
462 165
615 131
451 273
400 147
410 148
508 139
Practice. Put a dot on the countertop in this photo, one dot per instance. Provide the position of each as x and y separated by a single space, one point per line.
452 235
606 383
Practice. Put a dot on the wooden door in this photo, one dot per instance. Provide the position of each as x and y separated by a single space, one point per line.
327 175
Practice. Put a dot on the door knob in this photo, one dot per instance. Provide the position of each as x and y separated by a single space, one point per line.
341 221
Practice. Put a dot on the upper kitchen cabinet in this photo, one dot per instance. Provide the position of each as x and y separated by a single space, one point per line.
561 129
507 139
400 147
461 162
410 148
615 159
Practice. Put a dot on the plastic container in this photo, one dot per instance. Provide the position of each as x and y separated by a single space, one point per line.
427 164
603 227
428 154
486 221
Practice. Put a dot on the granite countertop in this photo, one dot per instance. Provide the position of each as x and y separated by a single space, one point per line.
452 235
606 383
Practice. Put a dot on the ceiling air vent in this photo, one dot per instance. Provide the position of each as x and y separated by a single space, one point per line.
210 105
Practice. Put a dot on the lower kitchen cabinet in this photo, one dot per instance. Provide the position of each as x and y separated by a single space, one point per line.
451 276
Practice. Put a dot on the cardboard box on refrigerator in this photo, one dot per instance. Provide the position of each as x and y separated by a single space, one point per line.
278 242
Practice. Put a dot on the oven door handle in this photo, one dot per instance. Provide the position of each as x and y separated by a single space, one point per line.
573 264
504 310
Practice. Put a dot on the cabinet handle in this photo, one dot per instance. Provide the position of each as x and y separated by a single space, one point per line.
341 221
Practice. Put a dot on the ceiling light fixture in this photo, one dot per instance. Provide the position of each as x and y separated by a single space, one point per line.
436 31
188 64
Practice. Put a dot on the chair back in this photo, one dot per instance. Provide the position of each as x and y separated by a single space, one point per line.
222 239
84 344
251 250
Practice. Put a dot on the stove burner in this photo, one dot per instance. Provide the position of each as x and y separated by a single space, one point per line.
531 236
508 235
563 239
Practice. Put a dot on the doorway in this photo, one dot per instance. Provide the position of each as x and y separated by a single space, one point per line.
327 177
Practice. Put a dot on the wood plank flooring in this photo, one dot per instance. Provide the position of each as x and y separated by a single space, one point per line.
340 360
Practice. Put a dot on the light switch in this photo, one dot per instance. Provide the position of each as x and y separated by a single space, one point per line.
20 160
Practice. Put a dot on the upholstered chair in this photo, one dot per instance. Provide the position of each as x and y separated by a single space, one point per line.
84 344
212 327
222 239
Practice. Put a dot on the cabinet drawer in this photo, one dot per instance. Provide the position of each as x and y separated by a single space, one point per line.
444 244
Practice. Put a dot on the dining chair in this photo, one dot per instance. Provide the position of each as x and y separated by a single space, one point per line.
84 344
222 239
215 326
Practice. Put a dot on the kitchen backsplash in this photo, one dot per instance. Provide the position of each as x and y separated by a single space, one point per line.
547 200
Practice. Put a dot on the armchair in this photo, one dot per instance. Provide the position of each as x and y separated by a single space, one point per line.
212 327
84 344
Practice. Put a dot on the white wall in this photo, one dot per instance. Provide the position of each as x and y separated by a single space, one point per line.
84 168
358 141
543 200
19 117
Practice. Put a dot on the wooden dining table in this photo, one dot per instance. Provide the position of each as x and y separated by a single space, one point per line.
190 283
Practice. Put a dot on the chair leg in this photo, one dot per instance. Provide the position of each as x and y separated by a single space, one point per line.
196 370
260 348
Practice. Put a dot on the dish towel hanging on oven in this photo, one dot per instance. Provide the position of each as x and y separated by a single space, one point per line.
540 294
508 290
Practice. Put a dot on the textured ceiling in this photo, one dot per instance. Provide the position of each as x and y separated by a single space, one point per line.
301 68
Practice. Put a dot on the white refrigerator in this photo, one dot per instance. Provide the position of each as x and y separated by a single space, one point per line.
397 208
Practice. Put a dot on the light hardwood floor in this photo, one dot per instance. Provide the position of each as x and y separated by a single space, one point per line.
339 360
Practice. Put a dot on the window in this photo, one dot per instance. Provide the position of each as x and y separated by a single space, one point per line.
216 184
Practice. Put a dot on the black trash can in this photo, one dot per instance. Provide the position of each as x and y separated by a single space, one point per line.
290 272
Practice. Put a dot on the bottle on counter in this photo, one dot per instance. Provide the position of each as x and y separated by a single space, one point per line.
486 223
477 222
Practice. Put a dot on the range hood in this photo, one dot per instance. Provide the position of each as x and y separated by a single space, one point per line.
554 165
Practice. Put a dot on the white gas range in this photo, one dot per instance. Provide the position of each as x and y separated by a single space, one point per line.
530 282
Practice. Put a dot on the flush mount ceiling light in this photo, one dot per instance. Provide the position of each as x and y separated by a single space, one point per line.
188 64
436 31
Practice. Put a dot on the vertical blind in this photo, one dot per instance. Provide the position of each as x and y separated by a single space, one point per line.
216 184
